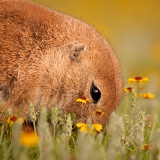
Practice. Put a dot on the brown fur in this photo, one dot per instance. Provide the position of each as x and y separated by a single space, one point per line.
50 58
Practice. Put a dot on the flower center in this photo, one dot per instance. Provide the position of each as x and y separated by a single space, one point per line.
138 78
13 118
83 97
129 89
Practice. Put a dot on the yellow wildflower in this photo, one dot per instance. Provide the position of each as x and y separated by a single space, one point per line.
20 120
147 95
29 138
83 127
146 147
98 112
83 100
145 79
12 119
138 79
97 127
128 90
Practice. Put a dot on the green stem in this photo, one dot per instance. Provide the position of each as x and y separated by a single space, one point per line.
126 105
1 134
34 125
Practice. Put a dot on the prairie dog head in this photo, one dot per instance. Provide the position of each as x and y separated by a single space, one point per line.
84 71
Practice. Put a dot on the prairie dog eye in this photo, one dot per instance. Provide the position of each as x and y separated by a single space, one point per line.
95 93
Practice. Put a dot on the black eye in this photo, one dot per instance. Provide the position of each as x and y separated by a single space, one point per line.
95 93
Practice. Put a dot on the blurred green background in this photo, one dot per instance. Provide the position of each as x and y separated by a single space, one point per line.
132 27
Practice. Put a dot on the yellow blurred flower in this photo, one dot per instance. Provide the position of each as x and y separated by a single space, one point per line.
83 100
98 112
97 127
83 127
29 138
20 120
147 95
146 147
138 79
127 90
12 119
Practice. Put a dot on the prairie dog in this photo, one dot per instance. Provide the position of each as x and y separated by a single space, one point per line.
50 58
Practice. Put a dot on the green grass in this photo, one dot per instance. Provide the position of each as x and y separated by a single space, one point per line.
131 134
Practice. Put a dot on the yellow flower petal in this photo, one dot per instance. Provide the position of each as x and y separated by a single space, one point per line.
97 127
145 79
83 127
29 139
8 120
125 90
88 100
11 123
131 80
147 95
81 100
150 95
80 124
20 120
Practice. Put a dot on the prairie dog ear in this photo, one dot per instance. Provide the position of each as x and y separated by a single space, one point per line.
75 49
